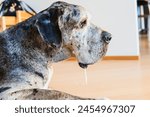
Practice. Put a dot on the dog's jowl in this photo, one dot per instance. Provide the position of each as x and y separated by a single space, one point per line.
55 34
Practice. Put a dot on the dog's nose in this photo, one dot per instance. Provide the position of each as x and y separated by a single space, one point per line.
106 36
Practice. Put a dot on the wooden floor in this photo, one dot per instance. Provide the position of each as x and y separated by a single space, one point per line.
125 79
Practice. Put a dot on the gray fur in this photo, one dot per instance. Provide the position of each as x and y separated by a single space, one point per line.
55 34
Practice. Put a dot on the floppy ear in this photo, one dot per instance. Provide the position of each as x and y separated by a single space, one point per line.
49 31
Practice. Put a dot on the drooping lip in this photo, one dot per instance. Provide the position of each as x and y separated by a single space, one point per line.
84 66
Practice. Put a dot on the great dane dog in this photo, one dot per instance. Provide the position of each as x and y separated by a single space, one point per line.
28 49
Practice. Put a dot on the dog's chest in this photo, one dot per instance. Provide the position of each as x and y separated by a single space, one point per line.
50 74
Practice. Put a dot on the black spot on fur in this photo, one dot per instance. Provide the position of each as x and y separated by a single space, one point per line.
39 74
2 89
78 46
68 18
89 51
74 12
29 83
35 91
77 36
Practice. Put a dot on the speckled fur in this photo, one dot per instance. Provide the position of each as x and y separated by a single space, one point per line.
25 50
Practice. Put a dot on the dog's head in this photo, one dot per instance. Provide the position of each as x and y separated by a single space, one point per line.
68 27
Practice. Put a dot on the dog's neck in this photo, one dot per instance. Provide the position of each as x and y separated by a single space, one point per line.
26 53
30 51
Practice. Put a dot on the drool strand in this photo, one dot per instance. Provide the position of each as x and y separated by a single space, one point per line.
85 76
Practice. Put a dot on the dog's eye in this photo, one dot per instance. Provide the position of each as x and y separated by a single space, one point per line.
83 23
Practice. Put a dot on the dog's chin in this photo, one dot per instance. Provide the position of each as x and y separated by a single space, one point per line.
82 65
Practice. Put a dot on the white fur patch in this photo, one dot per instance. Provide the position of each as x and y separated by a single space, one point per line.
50 74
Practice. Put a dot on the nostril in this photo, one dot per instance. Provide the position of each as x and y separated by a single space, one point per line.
109 38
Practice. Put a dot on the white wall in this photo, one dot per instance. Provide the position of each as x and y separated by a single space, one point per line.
116 16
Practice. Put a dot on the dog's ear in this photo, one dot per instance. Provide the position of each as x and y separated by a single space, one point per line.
49 31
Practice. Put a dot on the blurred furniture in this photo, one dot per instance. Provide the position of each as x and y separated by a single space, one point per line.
8 21
22 15
10 7
143 14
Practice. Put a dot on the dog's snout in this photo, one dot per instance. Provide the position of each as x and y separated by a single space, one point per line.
106 36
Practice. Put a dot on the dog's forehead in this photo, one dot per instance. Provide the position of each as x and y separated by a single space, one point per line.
77 12
75 9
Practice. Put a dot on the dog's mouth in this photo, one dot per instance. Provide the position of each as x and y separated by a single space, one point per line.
82 65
